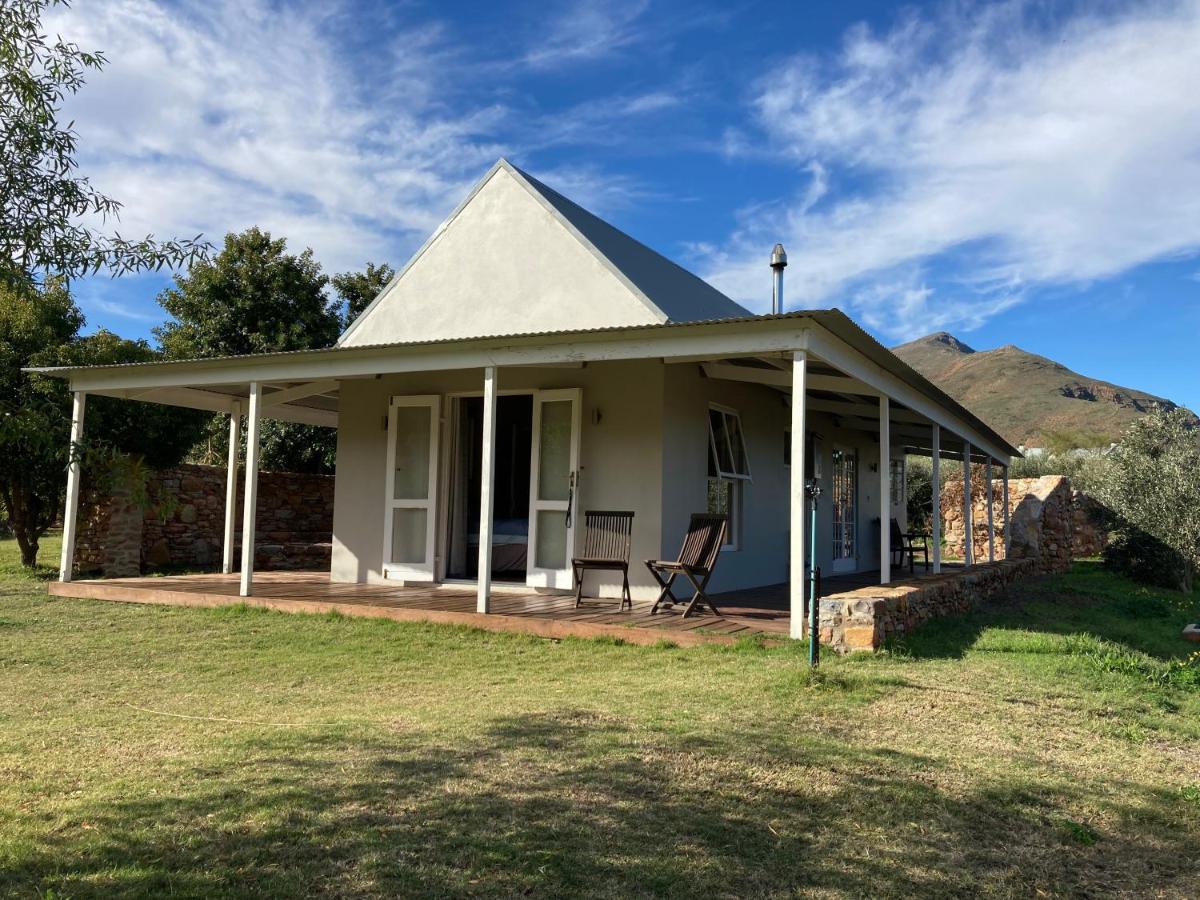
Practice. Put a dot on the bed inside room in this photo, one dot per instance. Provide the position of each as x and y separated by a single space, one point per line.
510 537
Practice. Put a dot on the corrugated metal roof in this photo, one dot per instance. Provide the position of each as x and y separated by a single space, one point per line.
798 314
834 320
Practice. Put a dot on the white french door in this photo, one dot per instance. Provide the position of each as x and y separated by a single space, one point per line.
553 487
409 525
845 510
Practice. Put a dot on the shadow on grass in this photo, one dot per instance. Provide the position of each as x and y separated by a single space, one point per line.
1086 600
573 803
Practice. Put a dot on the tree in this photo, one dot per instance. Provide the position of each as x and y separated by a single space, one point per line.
39 325
44 202
358 289
1152 481
252 297
255 297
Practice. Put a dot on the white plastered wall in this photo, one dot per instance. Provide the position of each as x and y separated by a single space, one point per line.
503 265
620 457
761 556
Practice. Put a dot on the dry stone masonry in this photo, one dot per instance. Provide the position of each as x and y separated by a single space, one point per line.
185 525
1050 523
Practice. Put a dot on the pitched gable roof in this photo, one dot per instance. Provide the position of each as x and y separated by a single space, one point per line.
680 295
517 256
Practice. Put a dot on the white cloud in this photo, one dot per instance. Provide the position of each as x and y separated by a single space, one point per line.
587 30
214 116
1018 152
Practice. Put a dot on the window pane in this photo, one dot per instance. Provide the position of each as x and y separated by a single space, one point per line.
722 500
551 550
845 478
408 535
738 444
718 496
897 473
412 452
554 475
720 437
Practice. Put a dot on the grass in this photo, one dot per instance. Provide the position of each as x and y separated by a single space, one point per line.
1032 749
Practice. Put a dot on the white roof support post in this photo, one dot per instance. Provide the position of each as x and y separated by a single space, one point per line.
991 516
231 480
250 495
1007 542
797 575
885 491
66 568
936 517
487 479
968 555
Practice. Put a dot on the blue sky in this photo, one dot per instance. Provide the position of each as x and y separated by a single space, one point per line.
1023 173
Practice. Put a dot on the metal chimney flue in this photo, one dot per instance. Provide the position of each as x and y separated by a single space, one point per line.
778 264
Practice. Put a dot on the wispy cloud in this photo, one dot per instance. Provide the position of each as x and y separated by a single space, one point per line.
587 30
213 116
1020 151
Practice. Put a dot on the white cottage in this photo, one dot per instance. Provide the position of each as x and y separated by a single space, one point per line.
531 362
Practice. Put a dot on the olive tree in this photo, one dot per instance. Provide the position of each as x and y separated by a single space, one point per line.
1152 481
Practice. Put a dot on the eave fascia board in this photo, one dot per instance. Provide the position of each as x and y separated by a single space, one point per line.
744 338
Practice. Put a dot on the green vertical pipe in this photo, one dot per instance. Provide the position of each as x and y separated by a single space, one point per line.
813 599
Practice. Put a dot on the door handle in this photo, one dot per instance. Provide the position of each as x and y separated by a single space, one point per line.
571 498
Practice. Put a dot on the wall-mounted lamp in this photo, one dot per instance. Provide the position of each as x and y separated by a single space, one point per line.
597 415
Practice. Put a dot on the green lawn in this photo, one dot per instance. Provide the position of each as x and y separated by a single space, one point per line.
1049 746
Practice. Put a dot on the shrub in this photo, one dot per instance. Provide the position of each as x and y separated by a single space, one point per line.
1142 557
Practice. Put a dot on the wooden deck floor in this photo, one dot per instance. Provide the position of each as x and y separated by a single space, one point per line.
544 615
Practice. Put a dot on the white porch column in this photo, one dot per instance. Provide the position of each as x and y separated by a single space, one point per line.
991 515
885 491
235 428
66 567
250 494
1004 498
968 556
797 507
487 479
936 523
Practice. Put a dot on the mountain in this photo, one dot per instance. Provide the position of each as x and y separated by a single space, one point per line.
1026 397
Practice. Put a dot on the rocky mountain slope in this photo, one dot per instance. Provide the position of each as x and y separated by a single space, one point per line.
1027 398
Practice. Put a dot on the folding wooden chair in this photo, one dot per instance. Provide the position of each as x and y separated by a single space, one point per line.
909 543
605 546
697 559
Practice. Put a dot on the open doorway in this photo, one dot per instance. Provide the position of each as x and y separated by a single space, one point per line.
510 532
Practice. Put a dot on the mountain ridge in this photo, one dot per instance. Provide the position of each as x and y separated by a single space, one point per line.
1028 397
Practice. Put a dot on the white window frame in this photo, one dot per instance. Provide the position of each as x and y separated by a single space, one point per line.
728 414
736 480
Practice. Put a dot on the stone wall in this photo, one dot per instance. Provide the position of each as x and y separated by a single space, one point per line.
1049 521
185 524
863 619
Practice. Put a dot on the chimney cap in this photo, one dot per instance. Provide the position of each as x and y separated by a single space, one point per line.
778 257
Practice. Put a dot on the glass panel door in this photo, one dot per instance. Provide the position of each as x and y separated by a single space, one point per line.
845 510
411 483
553 487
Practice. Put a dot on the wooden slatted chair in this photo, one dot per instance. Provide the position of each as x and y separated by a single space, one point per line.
909 543
606 544
697 559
